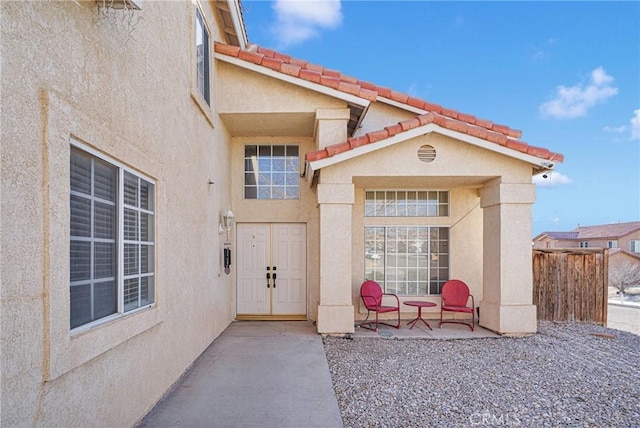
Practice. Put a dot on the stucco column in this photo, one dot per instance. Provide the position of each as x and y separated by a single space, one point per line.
335 312
506 305
331 126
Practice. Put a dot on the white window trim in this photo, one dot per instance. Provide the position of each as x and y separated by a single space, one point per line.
196 96
120 241
634 246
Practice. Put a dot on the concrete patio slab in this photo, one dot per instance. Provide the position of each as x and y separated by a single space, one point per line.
255 374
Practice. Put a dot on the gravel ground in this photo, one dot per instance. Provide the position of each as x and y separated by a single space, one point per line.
562 376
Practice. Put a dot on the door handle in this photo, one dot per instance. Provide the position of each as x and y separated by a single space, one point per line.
268 278
274 276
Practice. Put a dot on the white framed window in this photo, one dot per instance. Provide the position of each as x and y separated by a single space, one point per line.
612 244
271 172
407 260
634 246
112 239
406 203
583 244
202 57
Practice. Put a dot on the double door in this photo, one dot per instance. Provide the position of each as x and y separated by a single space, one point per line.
271 269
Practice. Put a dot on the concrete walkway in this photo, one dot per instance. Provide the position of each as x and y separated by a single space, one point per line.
255 374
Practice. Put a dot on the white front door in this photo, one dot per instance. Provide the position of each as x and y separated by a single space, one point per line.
272 271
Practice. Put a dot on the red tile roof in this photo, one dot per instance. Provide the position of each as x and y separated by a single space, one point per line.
444 117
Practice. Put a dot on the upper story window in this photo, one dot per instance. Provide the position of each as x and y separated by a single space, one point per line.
112 239
406 203
271 172
584 244
202 57
612 244
634 246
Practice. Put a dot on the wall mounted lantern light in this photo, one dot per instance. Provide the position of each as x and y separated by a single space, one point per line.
226 225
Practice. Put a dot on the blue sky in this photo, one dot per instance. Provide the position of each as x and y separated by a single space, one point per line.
565 73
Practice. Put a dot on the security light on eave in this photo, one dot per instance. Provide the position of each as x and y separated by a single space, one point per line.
120 4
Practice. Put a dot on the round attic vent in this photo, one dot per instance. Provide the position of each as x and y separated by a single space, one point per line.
426 153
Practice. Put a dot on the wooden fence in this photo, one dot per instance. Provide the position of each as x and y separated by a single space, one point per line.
571 284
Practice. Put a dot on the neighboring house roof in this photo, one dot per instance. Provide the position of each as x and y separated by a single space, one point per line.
613 251
603 231
615 230
558 236
430 113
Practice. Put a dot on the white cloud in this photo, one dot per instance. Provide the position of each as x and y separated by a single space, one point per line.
615 129
300 20
575 101
634 128
553 179
635 125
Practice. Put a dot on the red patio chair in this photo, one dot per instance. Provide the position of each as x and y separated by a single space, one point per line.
372 295
455 296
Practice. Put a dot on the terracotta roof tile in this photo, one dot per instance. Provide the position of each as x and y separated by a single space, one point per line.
426 118
476 131
266 52
334 149
449 113
456 125
436 108
358 141
314 67
317 155
467 118
349 79
310 75
332 73
249 56
383 92
393 129
368 94
349 88
377 135
444 117
539 152
299 62
227 49
290 69
494 137
285 58
410 124
399 97
330 81
273 63
366 85
520 146
415 102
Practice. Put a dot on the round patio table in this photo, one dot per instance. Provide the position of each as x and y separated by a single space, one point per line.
419 304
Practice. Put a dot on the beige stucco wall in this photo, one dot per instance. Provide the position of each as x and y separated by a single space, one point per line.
67 71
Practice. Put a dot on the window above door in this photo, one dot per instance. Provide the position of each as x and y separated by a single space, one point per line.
271 172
